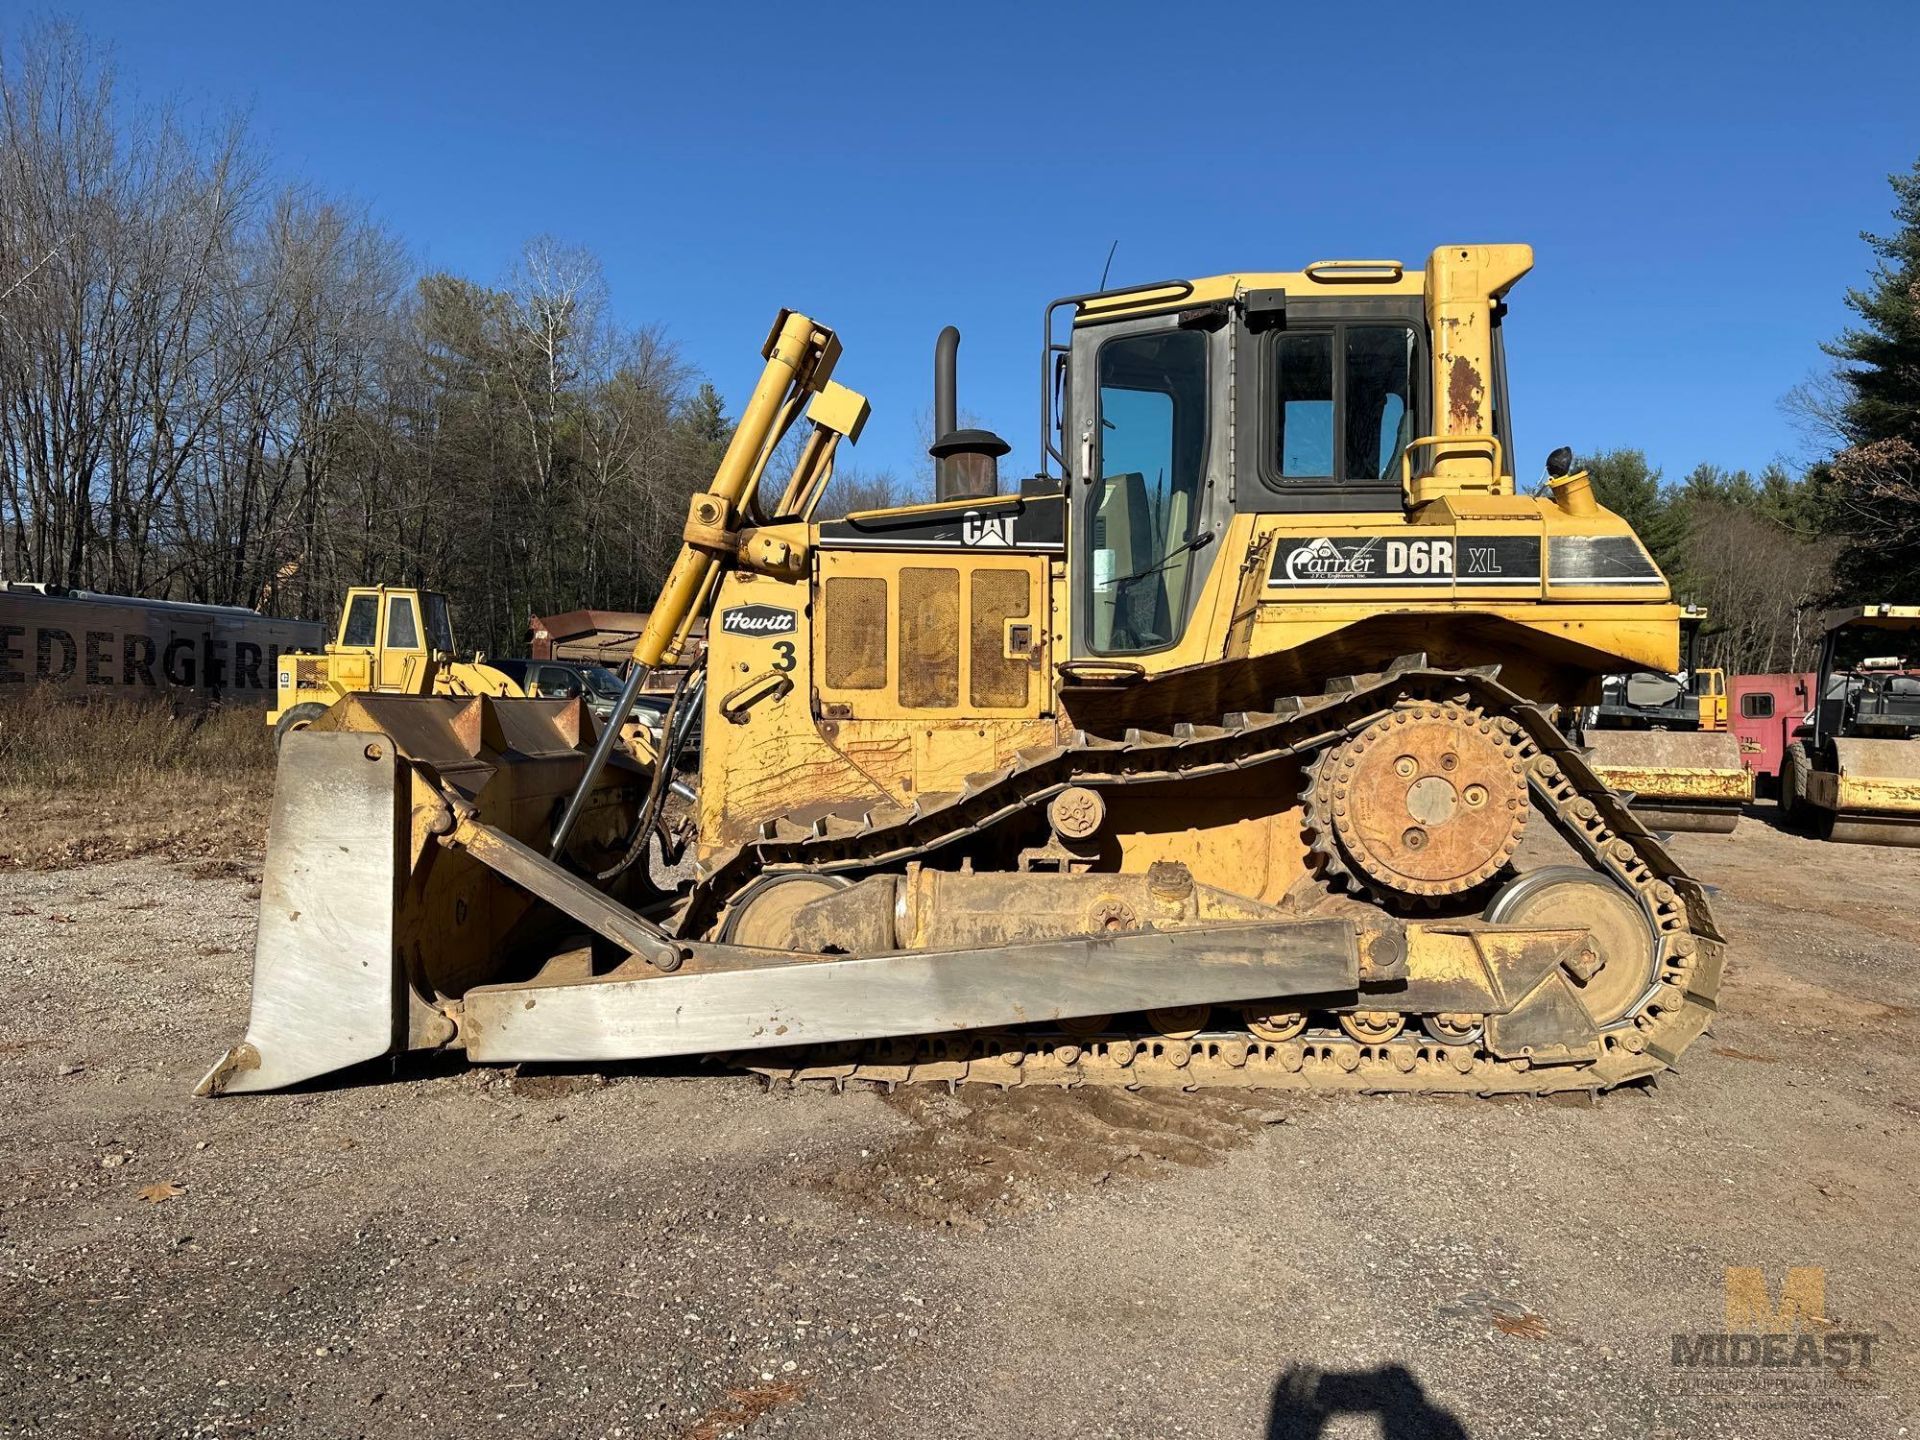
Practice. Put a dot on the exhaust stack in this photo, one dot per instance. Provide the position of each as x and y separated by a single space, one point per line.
966 462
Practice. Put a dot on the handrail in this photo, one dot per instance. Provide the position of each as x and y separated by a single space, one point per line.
1491 442
1333 272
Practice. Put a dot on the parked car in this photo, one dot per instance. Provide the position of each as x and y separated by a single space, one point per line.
563 680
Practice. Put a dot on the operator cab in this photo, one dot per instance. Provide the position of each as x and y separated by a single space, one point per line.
388 637
1173 407
1870 676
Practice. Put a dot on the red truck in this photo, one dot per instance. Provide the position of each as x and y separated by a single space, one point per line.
1766 713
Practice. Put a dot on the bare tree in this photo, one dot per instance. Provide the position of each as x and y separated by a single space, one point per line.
1761 585
214 389
852 489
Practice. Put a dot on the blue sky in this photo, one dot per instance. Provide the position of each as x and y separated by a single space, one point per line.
1693 177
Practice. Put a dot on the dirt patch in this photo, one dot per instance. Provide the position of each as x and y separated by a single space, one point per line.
687 1256
983 1155
743 1407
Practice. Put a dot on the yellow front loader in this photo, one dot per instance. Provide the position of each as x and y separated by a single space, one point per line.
391 640
1220 751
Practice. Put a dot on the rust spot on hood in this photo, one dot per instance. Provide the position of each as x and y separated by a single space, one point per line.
1464 392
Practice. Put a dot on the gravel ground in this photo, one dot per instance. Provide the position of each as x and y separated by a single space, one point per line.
661 1253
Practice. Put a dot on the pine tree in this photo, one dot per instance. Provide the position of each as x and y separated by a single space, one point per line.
1874 483
706 428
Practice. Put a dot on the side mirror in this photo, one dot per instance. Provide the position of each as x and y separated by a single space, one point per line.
1560 463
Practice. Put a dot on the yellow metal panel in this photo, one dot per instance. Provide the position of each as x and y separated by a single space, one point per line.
1877 775
927 612
854 615
942 682
1224 287
777 755
1650 783
839 409
1883 617
1587 624
1240 835
1463 283
1672 765
1881 793
1000 600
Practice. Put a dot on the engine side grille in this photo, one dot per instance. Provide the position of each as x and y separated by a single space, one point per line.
998 596
856 633
929 638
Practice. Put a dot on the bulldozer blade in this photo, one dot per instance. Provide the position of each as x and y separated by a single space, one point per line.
1688 780
325 993
761 1000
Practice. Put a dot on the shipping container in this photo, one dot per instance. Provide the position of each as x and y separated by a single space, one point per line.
121 645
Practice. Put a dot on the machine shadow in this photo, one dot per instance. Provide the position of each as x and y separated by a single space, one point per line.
1306 1401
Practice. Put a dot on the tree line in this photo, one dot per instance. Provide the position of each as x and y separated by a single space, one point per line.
1756 551
218 388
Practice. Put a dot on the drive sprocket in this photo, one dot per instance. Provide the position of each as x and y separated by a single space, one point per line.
1429 800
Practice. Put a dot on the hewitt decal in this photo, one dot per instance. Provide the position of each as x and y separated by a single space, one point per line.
758 620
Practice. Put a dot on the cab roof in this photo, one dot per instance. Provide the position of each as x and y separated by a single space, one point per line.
1872 617
1323 277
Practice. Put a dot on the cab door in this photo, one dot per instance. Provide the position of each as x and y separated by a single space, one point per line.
359 641
1151 498
402 660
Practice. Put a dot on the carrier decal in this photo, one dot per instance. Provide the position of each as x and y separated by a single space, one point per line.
1600 560
1034 520
758 620
1358 560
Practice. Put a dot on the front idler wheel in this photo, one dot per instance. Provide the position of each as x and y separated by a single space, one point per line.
1565 897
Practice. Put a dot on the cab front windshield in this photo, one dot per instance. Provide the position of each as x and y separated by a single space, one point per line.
1146 509
1867 653
1872 681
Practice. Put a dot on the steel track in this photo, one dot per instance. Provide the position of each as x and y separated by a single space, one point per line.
1675 1009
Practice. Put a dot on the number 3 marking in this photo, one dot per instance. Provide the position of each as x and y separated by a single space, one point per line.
783 649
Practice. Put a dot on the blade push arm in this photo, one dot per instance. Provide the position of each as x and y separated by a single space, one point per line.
800 356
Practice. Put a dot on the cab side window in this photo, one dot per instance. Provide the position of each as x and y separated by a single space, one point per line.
1343 401
1303 377
1379 399
557 683
403 632
439 626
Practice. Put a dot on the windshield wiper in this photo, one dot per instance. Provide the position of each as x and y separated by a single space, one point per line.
1200 541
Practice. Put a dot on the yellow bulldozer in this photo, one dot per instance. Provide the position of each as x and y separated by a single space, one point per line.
1220 752
390 640
1856 776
